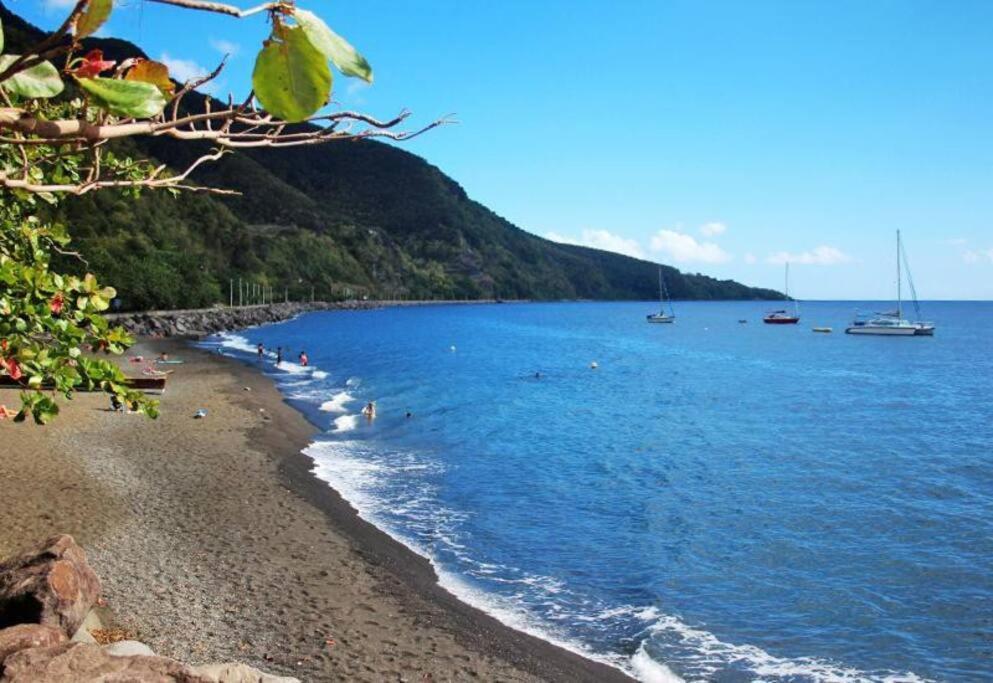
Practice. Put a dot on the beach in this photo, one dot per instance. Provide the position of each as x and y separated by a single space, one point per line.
215 542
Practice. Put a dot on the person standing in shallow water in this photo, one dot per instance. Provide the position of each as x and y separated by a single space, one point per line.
279 355
261 351
303 359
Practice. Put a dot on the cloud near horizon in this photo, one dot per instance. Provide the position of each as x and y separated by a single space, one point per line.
601 239
818 256
977 256
713 229
684 248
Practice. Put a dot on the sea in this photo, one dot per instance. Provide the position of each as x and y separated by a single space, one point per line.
711 500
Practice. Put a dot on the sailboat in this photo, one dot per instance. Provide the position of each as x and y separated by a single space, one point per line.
782 317
893 323
662 316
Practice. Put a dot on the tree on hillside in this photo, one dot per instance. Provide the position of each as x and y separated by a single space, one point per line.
63 111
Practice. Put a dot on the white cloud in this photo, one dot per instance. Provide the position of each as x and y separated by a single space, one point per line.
601 239
750 258
58 4
183 70
978 255
713 229
225 47
684 248
957 241
818 256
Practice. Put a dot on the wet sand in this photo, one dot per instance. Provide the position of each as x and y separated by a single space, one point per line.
214 541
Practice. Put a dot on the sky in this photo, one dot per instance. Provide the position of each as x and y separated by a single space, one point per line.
719 137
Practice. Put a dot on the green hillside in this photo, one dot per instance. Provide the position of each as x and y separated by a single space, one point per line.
348 219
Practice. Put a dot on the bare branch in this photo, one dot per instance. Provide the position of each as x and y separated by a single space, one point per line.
222 8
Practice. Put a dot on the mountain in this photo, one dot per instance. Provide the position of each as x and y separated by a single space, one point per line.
346 219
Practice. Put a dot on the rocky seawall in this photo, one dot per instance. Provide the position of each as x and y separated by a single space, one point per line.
203 321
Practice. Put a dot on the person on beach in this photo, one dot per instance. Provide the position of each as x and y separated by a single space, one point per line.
279 355
163 357
303 359
370 410
261 351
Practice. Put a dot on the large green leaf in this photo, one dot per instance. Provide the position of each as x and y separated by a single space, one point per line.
93 17
41 80
134 99
333 46
291 78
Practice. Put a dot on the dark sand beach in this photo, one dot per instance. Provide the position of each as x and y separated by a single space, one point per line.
214 541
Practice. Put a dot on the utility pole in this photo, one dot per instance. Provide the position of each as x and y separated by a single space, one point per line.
231 293
312 294
240 294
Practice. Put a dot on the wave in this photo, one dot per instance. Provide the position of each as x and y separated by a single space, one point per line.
346 423
337 402
382 488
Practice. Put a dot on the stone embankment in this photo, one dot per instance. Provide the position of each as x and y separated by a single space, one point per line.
202 321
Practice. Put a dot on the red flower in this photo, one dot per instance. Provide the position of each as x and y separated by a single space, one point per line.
93 64
56 303
13 369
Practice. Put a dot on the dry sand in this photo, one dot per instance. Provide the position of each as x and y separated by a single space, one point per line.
214 541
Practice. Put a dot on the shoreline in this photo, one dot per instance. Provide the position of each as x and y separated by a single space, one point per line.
215 542
405 571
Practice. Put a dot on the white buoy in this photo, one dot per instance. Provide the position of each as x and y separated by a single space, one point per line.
594 365
452 348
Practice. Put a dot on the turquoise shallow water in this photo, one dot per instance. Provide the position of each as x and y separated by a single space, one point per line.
717 501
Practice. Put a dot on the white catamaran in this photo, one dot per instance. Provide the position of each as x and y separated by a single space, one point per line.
662 316
892 323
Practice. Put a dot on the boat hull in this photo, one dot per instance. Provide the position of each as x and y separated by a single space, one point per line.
780 321
891 331
661 319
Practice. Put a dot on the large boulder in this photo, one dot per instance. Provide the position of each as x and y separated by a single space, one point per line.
51 585
21 637
84 662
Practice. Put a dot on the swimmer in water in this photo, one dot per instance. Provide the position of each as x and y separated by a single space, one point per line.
304 361
370 410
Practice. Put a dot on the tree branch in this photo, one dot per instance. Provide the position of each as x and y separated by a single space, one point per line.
222 8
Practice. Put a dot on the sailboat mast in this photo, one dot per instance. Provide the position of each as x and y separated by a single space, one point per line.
661 300
899 278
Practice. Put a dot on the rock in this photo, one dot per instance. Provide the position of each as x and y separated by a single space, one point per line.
128 648
237 673
51 585
82 634
23 636
85 662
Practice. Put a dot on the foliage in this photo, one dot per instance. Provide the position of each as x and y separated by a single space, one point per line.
64 131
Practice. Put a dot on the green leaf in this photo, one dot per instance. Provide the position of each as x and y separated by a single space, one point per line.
93 17
1 35
333 46
291 77
41 80
134 99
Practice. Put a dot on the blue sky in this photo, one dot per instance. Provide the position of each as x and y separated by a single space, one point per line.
719 137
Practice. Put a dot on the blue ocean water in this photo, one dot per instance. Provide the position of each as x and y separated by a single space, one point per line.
716 501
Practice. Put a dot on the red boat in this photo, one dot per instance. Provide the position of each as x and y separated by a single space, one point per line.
780 318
